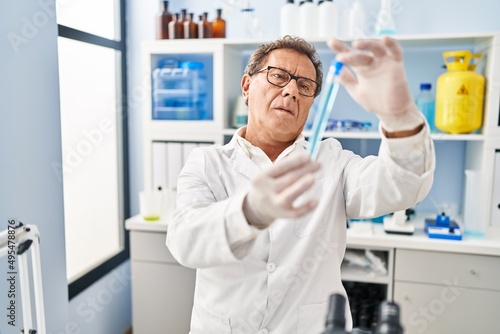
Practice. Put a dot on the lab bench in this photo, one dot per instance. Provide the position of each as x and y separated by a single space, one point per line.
442 286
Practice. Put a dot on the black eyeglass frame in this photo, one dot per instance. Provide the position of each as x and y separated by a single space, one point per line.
296 78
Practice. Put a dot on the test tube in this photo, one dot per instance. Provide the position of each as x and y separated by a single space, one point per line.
325 107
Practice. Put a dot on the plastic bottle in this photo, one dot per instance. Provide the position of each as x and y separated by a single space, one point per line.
328 19
426 103
308 20
385 22
357 19
162 20
289 22
248 15
219 25
190 27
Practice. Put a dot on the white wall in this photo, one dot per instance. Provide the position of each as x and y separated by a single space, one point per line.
30 190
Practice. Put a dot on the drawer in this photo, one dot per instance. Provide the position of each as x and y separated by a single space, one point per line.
440 309
476 271
150 246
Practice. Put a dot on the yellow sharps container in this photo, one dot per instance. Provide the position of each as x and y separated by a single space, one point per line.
459 94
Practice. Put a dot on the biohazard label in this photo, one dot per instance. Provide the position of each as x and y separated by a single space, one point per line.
463 91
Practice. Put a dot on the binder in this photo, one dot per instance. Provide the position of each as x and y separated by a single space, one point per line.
174 163
160 172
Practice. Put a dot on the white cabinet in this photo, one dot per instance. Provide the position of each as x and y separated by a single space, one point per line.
162 290
447 292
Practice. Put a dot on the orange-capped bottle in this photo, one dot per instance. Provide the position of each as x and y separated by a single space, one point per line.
219 25
162 20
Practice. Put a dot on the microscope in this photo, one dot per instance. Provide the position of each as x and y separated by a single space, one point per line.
388 322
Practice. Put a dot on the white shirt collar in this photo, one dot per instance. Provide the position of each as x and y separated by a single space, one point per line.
257 155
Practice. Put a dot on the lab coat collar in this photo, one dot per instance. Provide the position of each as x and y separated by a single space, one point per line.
240 155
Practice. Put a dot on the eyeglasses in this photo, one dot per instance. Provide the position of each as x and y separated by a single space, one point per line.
279 77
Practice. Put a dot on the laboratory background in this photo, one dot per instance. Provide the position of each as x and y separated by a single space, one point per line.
83 137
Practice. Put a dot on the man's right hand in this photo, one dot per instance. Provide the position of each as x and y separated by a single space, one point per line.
275 190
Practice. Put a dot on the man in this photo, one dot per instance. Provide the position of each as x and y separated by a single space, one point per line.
264 225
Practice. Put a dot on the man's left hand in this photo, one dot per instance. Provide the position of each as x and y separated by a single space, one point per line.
378 83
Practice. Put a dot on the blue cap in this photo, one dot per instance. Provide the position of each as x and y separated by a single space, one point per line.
194 65
425 86
338 66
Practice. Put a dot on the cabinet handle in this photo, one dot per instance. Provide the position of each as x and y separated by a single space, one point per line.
473 272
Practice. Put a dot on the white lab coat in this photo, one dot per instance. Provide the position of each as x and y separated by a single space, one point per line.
278 280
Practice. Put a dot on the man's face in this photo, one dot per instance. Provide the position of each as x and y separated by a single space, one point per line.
278 113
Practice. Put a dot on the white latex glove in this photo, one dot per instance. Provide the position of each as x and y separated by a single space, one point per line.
379 81
274 191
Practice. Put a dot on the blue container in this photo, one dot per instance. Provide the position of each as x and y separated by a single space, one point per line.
180 93
426 104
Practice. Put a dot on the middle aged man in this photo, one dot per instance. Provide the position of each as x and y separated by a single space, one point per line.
264 226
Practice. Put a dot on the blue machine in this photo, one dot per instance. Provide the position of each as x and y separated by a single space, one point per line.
442 228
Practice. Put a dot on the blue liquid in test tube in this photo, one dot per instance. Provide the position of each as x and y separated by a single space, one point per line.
325 108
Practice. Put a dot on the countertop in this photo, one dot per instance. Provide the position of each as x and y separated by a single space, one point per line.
489 245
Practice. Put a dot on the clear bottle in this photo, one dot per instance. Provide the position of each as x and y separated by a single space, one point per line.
219 25
426 103
190 27
308 20
328 19
385 22
357 20
162 20
289 24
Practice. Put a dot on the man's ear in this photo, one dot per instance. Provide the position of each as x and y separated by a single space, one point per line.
245 86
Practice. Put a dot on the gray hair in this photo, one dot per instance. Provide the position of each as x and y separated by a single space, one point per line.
298 44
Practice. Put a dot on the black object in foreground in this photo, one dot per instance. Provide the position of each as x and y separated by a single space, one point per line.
335 319
388 318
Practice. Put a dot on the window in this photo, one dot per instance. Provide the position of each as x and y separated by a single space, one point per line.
93 129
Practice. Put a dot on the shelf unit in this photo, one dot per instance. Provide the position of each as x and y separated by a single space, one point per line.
355 273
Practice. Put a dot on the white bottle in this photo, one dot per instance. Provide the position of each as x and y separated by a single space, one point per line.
328 19
289 19
357 21
385 22
308 20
